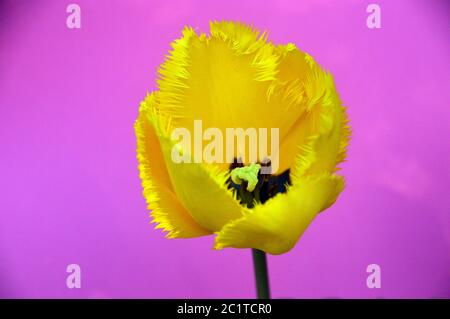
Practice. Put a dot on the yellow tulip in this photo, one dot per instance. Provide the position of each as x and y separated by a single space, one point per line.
235 77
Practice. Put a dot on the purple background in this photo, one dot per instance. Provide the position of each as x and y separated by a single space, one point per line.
69 186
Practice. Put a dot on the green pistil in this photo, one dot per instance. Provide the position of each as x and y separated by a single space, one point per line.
248 174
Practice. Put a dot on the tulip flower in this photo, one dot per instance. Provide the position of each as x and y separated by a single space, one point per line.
235 78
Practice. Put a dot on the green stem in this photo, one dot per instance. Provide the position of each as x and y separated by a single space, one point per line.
261 276
259 257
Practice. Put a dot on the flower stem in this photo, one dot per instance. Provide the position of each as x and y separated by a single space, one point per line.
261 276
248 197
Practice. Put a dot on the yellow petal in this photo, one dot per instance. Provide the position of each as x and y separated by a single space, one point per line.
276 226
324 151
167 211
228 80
199 187
317 142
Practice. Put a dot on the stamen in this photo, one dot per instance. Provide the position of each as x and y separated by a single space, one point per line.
250 185
248 174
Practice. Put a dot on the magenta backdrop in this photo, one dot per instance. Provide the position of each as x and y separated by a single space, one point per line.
69 186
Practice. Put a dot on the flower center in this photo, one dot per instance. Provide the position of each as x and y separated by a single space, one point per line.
250 186
247 174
